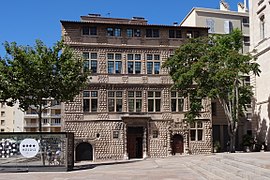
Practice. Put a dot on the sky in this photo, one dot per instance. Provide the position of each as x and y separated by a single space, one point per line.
24 21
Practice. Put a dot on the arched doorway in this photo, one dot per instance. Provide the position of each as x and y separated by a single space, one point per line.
177 144
84 152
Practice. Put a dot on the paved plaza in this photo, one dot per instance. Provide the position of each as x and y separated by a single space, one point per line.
216 166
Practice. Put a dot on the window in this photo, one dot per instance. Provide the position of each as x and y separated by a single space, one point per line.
177 102
246 21
134 101
90 61
115 101
2 130
175 34
2 122
3 105
114 63
155 133
196 131
246 40
90 101
153 63
152 32
154 101
262 27
3 114
115 134
211 24
45 121
134 63
114 32
56 121
228 27
189 34
133 33
214 108
89 31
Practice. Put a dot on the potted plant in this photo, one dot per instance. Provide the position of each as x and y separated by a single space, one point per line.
217 147
247 142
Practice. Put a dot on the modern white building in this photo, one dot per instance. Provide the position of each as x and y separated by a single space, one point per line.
223 21
11 118
260 46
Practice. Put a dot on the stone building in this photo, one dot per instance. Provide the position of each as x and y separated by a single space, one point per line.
128 110
260 42
223 21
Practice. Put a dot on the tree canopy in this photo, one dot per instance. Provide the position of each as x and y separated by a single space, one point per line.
33 75
213 67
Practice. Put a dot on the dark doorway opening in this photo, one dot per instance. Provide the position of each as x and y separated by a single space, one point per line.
135 142
177 144
84 152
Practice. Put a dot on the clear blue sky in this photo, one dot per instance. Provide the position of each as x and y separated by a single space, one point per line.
24 21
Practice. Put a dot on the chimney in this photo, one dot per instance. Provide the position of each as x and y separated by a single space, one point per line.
175 23
241 7
223 6
94 15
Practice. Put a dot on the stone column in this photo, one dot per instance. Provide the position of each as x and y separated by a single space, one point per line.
125 141
145 142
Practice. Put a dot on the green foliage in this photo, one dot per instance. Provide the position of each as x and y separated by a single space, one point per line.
212 67
33 74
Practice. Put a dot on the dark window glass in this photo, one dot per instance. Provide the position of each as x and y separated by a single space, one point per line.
86 65
111 105
110 32
137 32
155 133
157 104
178 34
180 105
150 105
157 67
119 105
137 67
117 32
214 108
85 31
110 67
130 67
149 33
93 31
155 33
94 105
118 67
130 56
200 135
94 66
115 134
192 135
149 67
173 105
129 32
171 34
85 55
86 103
93 55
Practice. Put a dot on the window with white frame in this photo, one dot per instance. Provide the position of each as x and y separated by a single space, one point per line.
115 101
153 63
90 62
196 131
114 63
116 32
154 101
90 101
56 121
177 102
134 63
211 24
133 32
134 101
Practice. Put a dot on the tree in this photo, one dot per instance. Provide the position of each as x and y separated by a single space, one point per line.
212 67
35 75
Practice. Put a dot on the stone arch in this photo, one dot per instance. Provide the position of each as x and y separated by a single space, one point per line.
84 152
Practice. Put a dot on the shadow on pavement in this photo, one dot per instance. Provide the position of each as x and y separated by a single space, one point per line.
92 165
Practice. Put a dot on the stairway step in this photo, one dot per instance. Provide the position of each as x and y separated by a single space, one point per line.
207 164
218 162
206 174
232 161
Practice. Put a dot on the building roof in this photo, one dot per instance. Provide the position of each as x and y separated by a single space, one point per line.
133 24
214 11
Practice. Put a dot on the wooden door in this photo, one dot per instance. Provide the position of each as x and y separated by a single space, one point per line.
177 145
